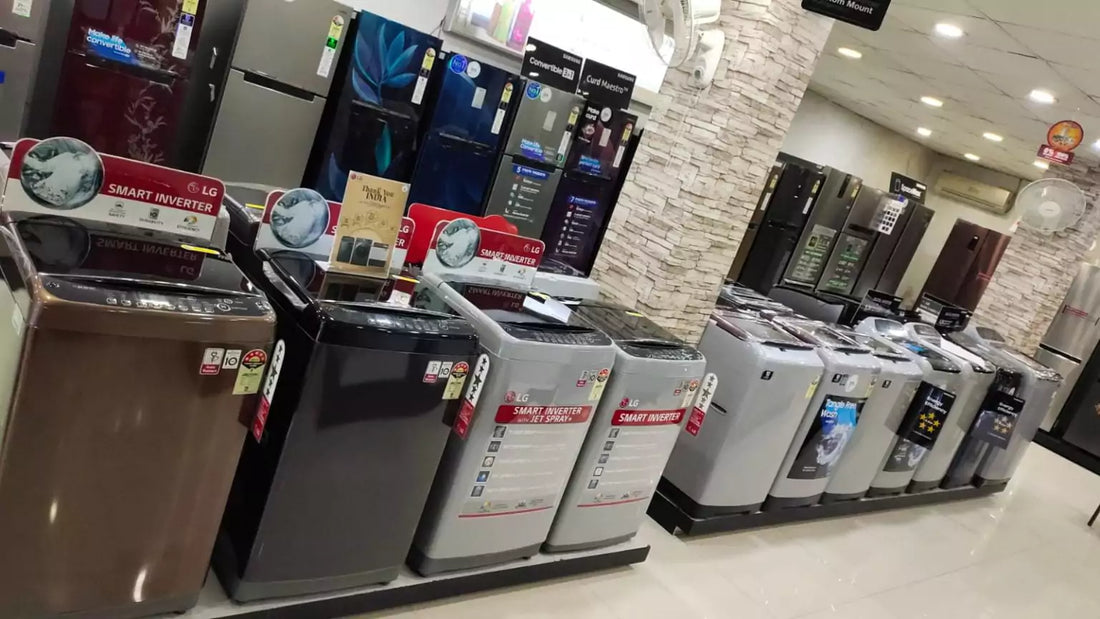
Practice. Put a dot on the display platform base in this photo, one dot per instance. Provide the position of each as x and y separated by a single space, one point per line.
1073 453
410 588
674 519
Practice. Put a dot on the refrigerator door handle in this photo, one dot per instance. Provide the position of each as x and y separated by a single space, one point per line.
213 93
213 57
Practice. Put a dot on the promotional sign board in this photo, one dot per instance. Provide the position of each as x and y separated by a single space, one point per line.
299 220
1063 138
66 177
551 65
863 13
606 85
908 187
1054 155
369 224
460 248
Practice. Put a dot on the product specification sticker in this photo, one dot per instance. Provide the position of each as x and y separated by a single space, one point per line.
332 41
22 8
456 381
212 361
422 78
232 359
184 29
702 404
465 417
250 373
599 385
259 421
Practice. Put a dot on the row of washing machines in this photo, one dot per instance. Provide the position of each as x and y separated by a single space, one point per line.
809 413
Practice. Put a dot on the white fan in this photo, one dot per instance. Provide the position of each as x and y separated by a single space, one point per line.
674 26
1051 205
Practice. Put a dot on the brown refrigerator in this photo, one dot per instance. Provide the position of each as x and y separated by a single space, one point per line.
966 264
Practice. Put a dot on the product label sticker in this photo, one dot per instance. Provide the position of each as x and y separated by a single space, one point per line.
605 137
328 53
182 43
22 8
564 146
479 98
498 122
191 6
832 429
619 154
702 404
336 28
432 373
473 69
250 375
813 388
232 359
211 362
458 64
465 417
926 416
506 95
997 419
534 89
422 77
548 122
599 385
259 421
546 95
456 380
328 56
542 415
445 370
627 417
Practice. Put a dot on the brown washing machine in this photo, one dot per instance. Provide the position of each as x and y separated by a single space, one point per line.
129 366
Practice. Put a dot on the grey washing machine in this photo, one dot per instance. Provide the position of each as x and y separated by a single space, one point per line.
932 403
511 453
648 399
830 421
1038 388
977 379
725 463
879 423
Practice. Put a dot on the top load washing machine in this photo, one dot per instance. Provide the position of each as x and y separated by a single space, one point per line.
726 463
879 423
978 376
919 427
329 491
831 418
136 361
1038 388
633 432
513 448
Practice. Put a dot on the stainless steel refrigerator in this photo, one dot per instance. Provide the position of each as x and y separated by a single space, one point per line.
282 68
21 28
1071 338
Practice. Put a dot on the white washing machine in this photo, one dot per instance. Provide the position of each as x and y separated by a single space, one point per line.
726 462
830 421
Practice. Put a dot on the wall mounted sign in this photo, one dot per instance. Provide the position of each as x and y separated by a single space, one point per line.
551 65
908 187
863 13
1062 138
1054 155
606 85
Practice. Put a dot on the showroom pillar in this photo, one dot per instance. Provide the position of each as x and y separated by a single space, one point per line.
702 162
1037 269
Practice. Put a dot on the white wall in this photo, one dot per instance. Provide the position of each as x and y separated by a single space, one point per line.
423 15
825 133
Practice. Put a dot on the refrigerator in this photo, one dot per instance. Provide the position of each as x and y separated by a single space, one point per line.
535 154
471 103
276 91
757 218
22 27
966 264
823 229
783 223
590 186
911 237
129 73
1069 342
884 245
372 120
874 216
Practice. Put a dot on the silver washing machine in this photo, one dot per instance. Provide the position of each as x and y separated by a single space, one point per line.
726 463
978 378
647 401
513 447
878 426
932 402
830 421
1038 388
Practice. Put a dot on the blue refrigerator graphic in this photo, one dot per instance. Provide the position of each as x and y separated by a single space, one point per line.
472 103
373 122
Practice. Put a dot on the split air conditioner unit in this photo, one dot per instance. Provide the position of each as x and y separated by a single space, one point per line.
988 197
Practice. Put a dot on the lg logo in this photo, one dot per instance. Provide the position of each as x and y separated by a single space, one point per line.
512 397
628 403
209 192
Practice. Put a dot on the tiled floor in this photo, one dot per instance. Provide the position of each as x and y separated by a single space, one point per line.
1025 553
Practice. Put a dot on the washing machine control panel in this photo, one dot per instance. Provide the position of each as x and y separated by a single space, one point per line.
127 298
405 322
551 336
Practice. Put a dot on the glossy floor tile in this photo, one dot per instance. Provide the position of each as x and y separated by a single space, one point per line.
1025 553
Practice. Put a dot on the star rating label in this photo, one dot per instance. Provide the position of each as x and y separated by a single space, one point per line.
702 403
465 417
997 419
926 415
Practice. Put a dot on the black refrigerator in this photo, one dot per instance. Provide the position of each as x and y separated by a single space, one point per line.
886 242
902 256
874 214
757 218
782 224
823 228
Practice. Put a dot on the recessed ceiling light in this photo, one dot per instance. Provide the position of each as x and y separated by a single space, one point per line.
972 157
1042 165
848 52
1096 144
950 31
992 137
924 132
1041 96
934 102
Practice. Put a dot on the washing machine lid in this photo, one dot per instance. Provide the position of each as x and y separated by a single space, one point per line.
757 330
353 310
1041 371
879 348
633 333
821 335
895 332
245 205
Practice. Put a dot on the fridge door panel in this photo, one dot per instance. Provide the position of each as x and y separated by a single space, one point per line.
601 142
262 135
289 41
1070 371
955 262
116 110
981 272
798 189
908 243
545 124
18 63
573 229
474 101
845 263
27 26
770 253
157 34
452 174
1075 329
522 193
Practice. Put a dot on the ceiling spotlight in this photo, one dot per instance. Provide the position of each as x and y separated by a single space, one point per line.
932 101
1041 96
1042 165
972 157
1096 144
992 137
950 31
924 132
848 52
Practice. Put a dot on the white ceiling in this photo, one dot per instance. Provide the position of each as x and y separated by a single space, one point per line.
1010 48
